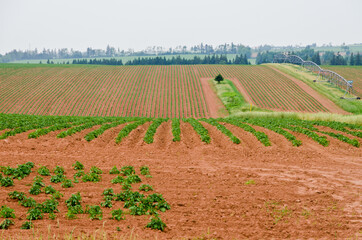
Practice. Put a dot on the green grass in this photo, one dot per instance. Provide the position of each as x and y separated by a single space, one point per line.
326 89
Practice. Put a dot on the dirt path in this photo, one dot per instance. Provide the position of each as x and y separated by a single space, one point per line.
333 108
213 102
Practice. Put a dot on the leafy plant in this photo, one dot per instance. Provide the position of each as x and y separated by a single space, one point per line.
78 166
6 212
57 195
201 130
34 214
67 183
74 200
145 170
6 224
250 182
91 177
27 225
146 188
156 223
17 195
49 190
117 214
52 216
94 211
58 170
108 192
151 131
114 170
127 170
50 206
35 190
6 182
96 170
176 131
57 178
133 179
118 179
28 202
107 203
44 171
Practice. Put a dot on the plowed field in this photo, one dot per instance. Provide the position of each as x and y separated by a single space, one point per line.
350 73
153 91
219 190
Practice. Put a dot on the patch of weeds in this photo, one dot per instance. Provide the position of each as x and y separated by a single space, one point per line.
67 183
34 214
306 213
250 182
44 171
27 225
6 224
94 211
127 170
6 212
276 211
156 223
146 188
78 166
118 214
114 170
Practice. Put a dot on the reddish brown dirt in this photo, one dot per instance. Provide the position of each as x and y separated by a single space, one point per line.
306 192
213 102
333 108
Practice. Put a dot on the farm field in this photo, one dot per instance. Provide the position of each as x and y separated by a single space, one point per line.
148 91
252 178
353 73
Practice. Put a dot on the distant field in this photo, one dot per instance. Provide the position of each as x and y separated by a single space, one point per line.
152 91
353 73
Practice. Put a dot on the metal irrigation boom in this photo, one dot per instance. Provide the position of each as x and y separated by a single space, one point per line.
323 74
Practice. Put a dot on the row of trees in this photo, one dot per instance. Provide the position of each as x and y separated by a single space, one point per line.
214 59
308 54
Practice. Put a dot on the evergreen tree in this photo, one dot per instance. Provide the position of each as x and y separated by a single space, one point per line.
358 61
219 78
351 60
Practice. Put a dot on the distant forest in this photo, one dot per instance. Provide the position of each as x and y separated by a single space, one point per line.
214 59
308 54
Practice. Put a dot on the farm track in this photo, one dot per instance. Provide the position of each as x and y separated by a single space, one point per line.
153 91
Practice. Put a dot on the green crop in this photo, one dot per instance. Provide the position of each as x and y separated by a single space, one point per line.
6 212
94 211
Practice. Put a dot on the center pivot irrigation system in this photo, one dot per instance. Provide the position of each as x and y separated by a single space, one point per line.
323 74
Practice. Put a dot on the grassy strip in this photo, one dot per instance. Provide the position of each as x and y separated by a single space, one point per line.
203 133
152 129
222 129
176 130
128 129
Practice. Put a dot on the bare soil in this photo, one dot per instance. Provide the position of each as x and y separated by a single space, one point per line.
214 105
306 192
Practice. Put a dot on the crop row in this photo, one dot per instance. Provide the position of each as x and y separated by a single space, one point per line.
12 124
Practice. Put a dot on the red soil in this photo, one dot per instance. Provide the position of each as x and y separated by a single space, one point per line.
302 192
213 102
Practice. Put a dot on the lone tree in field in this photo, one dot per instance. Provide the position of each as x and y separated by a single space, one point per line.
219 78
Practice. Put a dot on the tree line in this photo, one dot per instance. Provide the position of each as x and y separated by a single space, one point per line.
214 59
308 54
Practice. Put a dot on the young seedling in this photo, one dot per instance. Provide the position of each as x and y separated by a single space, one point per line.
34 214
156 223
6 224
95 212
118 214
6 182
127 170
49 190
67 183
145 170
27 225
59 170
146 188
114 170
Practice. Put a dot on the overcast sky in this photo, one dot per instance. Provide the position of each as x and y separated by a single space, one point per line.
137 24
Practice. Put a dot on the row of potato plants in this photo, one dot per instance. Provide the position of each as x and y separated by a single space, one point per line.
15 124
135 202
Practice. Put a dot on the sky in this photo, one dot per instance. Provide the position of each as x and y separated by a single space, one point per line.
137 24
